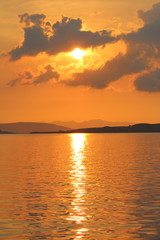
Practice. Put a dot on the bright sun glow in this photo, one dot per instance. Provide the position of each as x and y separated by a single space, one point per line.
77 53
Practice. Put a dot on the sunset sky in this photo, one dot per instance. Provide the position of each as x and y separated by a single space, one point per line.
114 74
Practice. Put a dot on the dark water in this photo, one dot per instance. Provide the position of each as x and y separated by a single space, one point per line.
80 186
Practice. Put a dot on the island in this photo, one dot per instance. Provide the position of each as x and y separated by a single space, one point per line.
136 128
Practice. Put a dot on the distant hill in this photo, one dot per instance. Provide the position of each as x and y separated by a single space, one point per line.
27 127
90 124
33 127
137 128
4 132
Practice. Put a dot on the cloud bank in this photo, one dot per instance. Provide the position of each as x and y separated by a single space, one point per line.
121 65
141 58
149 82
63 36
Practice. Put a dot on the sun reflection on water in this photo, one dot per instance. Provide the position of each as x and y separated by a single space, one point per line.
78 181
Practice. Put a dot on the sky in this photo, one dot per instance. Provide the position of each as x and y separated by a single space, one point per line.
114 77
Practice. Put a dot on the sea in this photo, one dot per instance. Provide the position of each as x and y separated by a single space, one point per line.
80 186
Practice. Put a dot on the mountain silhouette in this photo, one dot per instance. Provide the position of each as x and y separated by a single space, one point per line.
141 127
137 128
90 124
4 132
27 127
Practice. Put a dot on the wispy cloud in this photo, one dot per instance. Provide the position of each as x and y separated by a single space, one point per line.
28 78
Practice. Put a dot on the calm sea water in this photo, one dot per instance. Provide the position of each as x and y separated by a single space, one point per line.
80 186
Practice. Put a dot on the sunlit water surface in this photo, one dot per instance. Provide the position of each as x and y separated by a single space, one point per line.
80 186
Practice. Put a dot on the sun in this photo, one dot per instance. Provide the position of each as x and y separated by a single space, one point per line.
77 53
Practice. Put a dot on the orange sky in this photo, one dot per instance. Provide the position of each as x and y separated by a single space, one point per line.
118 78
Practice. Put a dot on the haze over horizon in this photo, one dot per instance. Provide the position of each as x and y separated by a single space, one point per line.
78 60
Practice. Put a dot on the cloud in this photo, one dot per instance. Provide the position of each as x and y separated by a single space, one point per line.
27 78
142 53
149 82
121 65
34 19
141 58
151 15
149 34
62 36
46 76
34 43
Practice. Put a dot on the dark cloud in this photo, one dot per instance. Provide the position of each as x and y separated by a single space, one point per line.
151 15
143 49
149 82
46 76
35 41
121 65
63 36
34 19
27 78
149 34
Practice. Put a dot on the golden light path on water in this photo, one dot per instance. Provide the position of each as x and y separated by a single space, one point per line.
78 181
